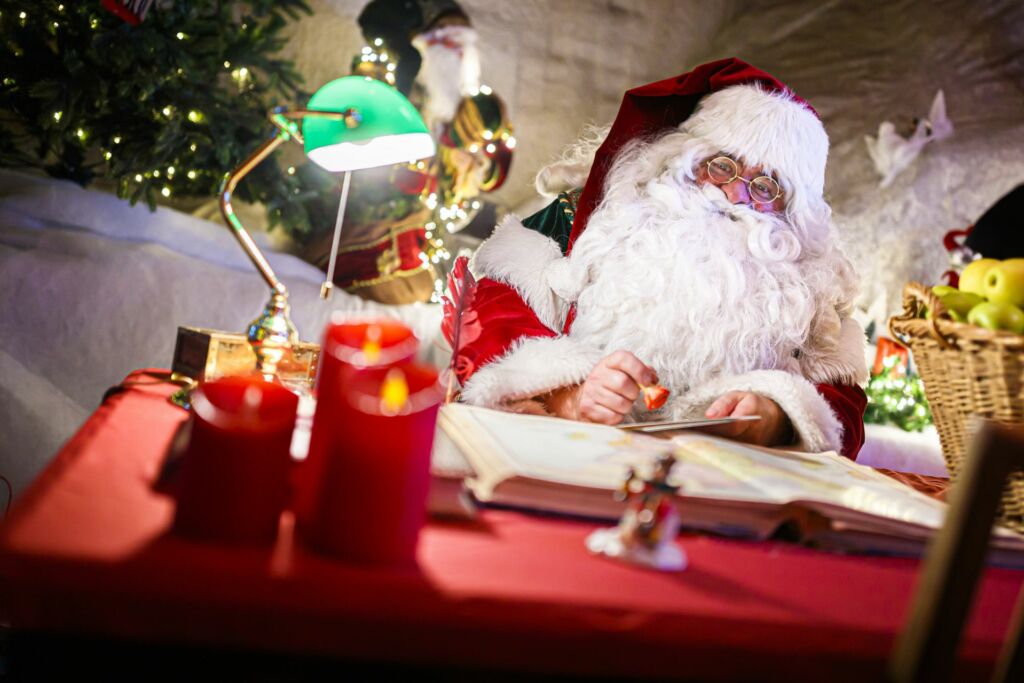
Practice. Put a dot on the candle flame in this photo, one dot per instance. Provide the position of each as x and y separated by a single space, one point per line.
371 345
395 392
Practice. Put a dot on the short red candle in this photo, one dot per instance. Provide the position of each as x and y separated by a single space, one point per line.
234 472
346 346
376 475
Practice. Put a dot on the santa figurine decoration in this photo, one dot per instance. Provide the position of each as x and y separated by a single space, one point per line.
395 245
647 531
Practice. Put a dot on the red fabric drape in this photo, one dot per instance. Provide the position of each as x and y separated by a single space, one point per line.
86 549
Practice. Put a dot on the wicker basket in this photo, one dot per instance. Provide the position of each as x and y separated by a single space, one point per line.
967 371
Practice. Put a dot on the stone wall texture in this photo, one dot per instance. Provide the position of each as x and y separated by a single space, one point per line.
561 64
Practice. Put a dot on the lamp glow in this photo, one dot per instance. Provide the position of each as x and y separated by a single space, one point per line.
353 156
381 127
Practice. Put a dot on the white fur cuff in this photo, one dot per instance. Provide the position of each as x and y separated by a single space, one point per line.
532 367
520 257
817 428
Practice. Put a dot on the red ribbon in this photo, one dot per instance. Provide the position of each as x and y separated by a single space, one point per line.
120 10
950 242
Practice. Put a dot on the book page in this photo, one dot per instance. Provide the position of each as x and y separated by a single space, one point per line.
817 477
589 455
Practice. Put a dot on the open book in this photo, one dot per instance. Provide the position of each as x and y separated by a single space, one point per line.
822 499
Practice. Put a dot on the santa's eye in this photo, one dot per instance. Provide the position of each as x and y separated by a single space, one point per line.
722 169
764 189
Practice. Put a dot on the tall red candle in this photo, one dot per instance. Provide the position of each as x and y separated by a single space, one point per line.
234 472
346 346
377 466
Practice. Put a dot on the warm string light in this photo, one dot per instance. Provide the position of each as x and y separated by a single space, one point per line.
435 250
377 55
242 78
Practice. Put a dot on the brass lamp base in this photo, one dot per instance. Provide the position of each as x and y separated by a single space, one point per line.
205 354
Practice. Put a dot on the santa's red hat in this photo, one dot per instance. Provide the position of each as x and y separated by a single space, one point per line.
740 110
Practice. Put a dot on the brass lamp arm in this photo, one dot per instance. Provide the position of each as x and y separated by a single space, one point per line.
227 188
285 121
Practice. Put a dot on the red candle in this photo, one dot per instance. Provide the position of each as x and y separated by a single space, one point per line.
376 474
346 346
234 472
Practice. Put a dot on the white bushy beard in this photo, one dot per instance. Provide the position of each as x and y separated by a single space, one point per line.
693 285
445 74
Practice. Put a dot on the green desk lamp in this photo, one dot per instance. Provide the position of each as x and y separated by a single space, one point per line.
351 123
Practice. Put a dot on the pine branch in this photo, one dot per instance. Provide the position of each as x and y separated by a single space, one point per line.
153 108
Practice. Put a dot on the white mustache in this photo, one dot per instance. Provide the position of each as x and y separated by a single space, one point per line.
720 202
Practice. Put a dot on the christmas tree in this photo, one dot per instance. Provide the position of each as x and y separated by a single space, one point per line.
158 105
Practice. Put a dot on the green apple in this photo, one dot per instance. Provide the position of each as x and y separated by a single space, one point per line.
943 290
1004 282
995 316
957 302
973 278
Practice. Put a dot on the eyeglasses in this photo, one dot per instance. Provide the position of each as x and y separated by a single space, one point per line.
763 189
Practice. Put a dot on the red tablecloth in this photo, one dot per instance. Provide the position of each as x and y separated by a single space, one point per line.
86 549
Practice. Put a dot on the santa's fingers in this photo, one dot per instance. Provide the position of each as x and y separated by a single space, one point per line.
619 383
613 380
749 404
612 400
590 411
637 370
725 405
733 404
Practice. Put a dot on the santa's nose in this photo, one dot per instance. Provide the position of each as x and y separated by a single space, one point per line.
737 192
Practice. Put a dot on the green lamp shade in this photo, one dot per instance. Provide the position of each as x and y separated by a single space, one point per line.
383 129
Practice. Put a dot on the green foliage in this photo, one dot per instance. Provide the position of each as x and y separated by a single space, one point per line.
163 109
897 399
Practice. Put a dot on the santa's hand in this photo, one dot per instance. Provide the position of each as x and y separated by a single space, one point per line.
773 429
608 393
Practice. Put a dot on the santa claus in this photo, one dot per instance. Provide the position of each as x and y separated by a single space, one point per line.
699 254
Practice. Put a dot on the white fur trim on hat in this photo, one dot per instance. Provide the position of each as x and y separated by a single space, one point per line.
532 367
766 128
520 258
